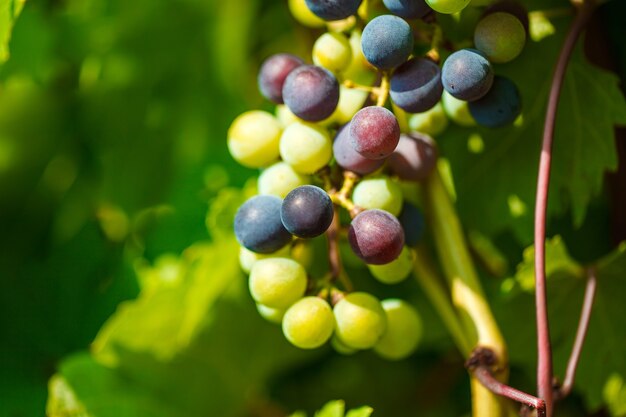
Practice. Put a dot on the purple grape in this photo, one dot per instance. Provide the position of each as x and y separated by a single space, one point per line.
307 211
311 93
408 9
414 158
273 73
412 221
467 74
416 85
333 9
387 41
348 158
374 132
376 237
500 106
258 226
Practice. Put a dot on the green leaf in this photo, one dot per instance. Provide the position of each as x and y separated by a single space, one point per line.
332 409
496 184
364 411
9 11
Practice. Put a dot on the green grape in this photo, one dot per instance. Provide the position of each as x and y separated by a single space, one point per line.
285 116
279 179
302 252
308 323
433 122
457 110
273 315
404 330
304 15
277 282
501 36
341 347
351 101
306 147
247 258
360 320
379 193
447 6
253 139
395 271
332 51
360 71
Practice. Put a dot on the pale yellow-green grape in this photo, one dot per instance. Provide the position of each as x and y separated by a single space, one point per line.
279 179
247 258
285 116
379 193
304 15
501 36
306 147
457 110
360 320
273 315
277 282
332 51
433 122
253 139
308 323
341 347
404 330
359 70
302 252
351 101
395 271
447 6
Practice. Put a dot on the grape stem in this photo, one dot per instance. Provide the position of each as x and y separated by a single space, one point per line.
383 90
342 197
334 258
544 365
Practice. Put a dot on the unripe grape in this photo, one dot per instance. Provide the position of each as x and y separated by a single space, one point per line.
332 51
501 36
273 315
306 147
447 6
253 139
457 110
277 282
301 12
279 179
360 320
395 271
378 193
432 122
404 330
247 258
308 323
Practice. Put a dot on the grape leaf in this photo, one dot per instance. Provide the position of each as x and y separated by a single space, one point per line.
337 409
603 357
495 183
9 12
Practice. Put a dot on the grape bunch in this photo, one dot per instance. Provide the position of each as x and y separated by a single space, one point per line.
350 130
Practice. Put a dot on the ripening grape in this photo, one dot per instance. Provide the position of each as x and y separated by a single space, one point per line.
500 106
467 74
374 132
395 271
306 147
416 85
500 36
432 122
348 158
404 330
378 193
376 236
307 211
408 9
387 41
334 9
258 226
273 73
311 93
277 282
447 6
301 12
274 315
360 320
247 258
412 221
414 158
332 51
308 323
253 139
279 179
457 110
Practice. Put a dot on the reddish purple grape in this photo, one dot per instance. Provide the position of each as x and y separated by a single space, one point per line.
374 132
348 158
311 93
273 73
376 237
414 158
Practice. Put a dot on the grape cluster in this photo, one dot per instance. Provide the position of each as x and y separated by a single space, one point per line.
335 145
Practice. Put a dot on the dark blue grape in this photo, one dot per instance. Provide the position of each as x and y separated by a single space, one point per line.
374 132
500 106
412 221
376 236
258 226
414 158
311 93
273 73
416 85
408 9
307 211
348 158
387 41
333 9
467 74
